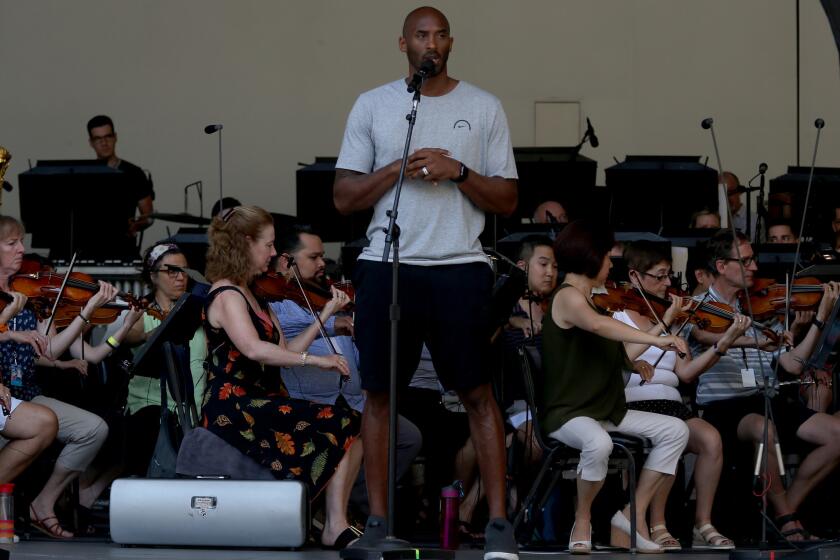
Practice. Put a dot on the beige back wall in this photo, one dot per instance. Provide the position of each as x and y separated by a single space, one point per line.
282 76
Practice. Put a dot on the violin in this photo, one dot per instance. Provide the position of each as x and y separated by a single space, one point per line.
768 298
273 286
104 315
41 288
712 316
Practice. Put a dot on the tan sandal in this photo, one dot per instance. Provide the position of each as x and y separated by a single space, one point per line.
708 538
50 526
660 535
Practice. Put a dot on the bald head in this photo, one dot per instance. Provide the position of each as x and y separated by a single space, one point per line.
419 13
730 180
552 207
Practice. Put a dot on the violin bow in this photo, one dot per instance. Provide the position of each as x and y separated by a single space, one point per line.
321 329
58 299
661 325
691 313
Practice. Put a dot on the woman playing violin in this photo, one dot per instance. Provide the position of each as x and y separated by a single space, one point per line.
247 403
164 269
82 432
583 395
650 270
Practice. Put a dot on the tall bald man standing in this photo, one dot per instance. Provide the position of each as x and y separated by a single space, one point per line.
461 165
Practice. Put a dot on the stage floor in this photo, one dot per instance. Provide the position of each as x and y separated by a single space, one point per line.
42 550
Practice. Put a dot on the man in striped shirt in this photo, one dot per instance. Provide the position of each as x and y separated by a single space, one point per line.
731 391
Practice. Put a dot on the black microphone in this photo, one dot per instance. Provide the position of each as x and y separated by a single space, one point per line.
819 123
427 68
762 169
707 123
593 140
211 128
7 186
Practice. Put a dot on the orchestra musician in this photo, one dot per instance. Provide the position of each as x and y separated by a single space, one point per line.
81 432
730 391
734 192
650 270
164 269
461 166
584 356
705 219
247 403
311 383
140 192
26 428
549 212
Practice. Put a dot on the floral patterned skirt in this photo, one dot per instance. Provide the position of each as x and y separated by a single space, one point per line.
296 439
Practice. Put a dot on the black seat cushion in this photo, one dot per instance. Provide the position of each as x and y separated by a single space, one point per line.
203 453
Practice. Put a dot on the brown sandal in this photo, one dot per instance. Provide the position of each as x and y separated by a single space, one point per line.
53 530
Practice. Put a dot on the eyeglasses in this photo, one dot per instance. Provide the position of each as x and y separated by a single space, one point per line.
659 277
172 271
98 139
746 261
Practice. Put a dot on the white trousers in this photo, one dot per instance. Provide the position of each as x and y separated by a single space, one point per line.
668 435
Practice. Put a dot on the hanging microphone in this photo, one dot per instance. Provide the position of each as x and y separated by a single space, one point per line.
427 68
7 186
707 123
593 140
819 123
211 128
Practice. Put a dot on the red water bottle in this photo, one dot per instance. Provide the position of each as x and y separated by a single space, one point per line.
450 503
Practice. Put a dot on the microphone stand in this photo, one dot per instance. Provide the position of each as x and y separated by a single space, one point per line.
390 546
221 197
760 210
767 390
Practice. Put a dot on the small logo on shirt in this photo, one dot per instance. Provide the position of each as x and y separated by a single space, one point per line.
461 123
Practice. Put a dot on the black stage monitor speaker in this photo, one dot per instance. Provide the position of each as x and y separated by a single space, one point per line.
651 193
315 203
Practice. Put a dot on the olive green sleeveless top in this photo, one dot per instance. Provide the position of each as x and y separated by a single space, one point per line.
582 376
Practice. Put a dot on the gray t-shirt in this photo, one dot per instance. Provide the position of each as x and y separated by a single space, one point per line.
439 224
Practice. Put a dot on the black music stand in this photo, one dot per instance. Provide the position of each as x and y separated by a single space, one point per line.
168 350
69 206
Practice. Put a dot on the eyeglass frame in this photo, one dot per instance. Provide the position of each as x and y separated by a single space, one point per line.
660 277
171 271
746 261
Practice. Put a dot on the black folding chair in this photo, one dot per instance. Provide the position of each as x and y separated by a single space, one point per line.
557 456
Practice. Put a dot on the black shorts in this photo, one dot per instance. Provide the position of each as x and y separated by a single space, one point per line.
445 306
788 413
